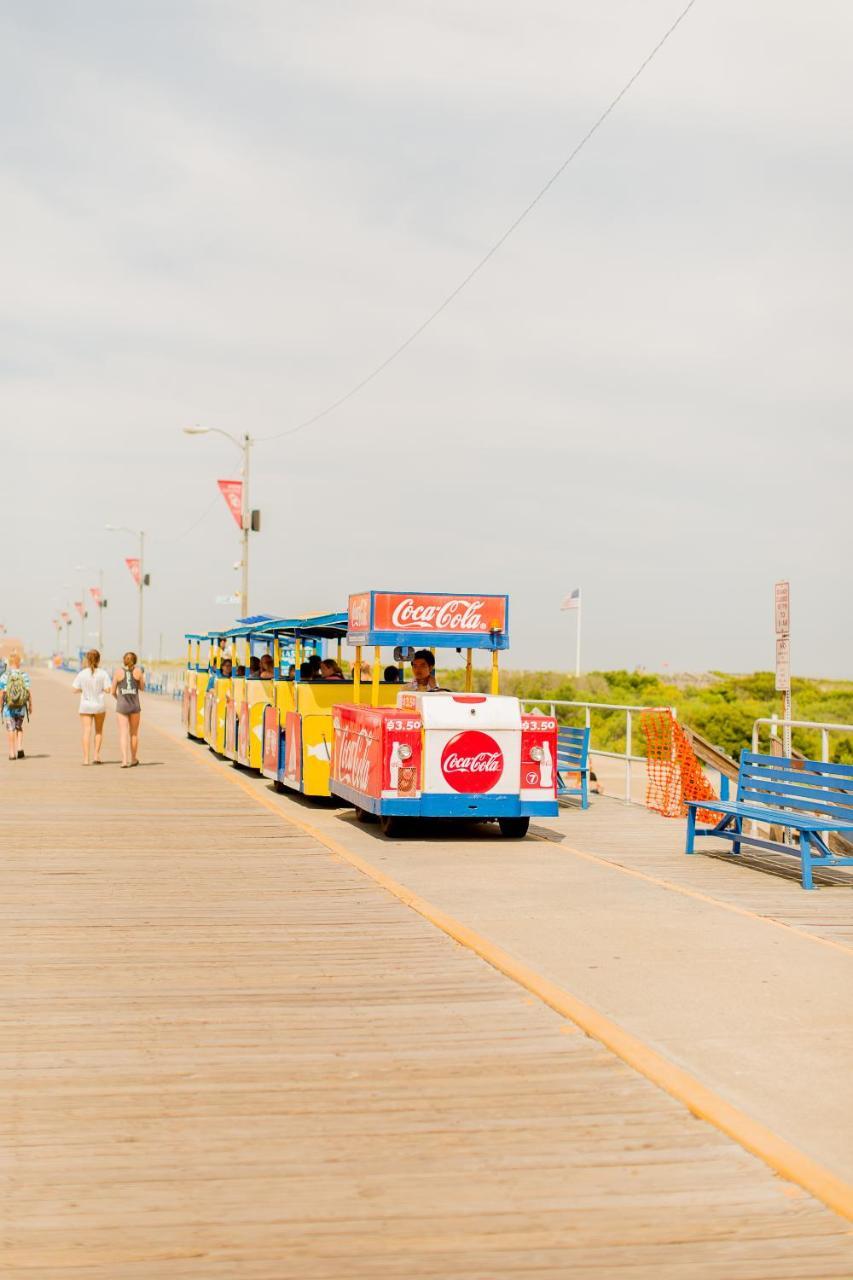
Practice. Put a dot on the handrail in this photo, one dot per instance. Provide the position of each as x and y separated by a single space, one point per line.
588 707
825 726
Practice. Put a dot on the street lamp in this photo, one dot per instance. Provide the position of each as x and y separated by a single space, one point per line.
249 520
144 580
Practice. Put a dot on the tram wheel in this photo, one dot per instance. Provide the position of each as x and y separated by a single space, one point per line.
364 815
514 828
389 825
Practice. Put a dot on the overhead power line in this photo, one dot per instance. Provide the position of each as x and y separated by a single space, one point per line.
490 253
176 537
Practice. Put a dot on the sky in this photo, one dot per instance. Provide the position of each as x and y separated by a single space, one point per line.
227 213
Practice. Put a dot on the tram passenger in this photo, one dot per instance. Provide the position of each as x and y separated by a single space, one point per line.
392 675
423 671
254 667
266 667
226 669
305 671
329 670
291 671
315 662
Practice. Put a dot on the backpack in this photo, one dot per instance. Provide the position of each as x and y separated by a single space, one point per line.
17 694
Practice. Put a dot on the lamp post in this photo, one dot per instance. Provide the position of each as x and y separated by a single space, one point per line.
143 580
248 519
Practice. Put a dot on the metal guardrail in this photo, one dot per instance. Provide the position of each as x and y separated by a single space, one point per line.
167 683
588 707
775 723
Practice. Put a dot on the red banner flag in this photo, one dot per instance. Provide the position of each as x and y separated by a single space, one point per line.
232 492
95 593
132 563
65 616
78 605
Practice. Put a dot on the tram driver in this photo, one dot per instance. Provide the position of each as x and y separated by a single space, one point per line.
423 671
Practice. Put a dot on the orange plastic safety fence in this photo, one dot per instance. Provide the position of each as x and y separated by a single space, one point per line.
674 774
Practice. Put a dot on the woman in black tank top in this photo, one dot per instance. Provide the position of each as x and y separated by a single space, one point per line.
127 684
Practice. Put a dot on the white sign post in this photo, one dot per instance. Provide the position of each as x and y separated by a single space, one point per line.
783 657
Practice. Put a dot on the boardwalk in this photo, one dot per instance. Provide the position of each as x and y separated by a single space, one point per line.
229 1055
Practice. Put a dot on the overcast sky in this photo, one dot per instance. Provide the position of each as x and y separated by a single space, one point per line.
227 213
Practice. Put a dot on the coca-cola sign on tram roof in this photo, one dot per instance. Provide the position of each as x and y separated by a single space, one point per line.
462 619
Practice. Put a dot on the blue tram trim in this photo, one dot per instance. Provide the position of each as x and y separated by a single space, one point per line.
480 807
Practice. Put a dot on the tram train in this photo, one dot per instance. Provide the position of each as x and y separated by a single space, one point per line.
395 752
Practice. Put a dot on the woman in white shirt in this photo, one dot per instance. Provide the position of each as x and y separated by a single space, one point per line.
93 685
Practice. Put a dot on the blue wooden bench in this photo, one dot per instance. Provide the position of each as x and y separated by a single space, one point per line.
808 796
573 757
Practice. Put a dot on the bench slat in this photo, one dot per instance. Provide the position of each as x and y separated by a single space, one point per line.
782 793
798 780
773 817
796 770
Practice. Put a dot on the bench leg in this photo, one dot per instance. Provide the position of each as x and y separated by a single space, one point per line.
584 790
691 831
739 829
806 859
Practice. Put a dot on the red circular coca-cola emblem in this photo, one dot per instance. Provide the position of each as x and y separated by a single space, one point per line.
472 761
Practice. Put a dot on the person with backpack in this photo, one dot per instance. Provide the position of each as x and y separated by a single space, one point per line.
126 688
16 701
93 685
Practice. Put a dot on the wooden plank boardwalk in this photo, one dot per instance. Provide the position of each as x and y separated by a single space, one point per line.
227 1055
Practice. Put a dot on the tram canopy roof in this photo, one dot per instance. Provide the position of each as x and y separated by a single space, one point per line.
325 626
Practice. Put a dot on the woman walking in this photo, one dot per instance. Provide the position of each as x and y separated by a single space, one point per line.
93 685
127 684
17 701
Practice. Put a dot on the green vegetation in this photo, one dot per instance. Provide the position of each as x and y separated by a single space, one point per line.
721 707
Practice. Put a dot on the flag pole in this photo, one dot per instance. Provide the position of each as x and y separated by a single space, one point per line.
578 639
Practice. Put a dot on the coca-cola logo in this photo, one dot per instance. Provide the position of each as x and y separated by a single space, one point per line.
353 760
447 615
472 761
359 613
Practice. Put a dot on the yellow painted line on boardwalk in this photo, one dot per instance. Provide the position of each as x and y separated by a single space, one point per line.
782 1156
696 894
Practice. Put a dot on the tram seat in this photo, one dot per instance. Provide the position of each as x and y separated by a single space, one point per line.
573 762
809 796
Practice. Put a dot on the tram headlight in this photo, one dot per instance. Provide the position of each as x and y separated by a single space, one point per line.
536 753
405 751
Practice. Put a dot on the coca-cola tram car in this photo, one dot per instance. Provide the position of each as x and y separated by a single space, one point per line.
219 689
439 754
248 697
298 727
202 657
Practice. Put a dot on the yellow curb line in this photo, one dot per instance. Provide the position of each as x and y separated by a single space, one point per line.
782 1157
694 893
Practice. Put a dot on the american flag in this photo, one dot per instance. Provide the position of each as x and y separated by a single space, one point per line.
572 600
